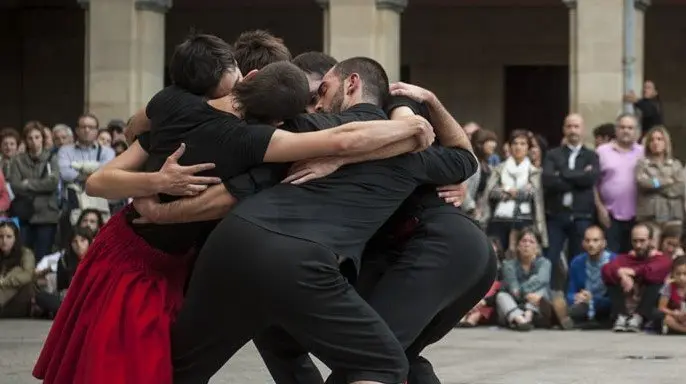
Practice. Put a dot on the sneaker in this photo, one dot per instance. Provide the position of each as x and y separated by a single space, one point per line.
620 324
634 324
665 329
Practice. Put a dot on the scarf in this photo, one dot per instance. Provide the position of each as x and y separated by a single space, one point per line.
515 176
594 279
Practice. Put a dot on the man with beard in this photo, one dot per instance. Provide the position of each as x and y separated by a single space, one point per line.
634 280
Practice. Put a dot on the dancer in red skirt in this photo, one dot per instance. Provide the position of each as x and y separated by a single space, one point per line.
113 326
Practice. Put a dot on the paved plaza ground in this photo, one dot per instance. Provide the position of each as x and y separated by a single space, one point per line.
479 356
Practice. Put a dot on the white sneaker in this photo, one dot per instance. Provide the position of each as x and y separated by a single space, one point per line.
634 324
620 324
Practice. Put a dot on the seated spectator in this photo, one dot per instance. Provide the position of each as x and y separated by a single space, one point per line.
672 302
16 273
634 280
660 179
670 241
34 177
525 296
513 198
48 301
586 293
604 134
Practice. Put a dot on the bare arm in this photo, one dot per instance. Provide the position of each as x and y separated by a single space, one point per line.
138 124
212 204
118 179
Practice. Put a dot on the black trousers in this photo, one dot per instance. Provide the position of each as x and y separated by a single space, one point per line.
276 280
646 305
421 288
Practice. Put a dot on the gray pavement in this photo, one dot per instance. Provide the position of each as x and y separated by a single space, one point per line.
478 356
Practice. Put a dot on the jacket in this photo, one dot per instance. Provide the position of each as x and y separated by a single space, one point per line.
21 274
492 189
558 179
656 201
577 281
37 178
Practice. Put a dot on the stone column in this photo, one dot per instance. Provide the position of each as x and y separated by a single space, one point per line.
376 31
125 47
596 55
641 8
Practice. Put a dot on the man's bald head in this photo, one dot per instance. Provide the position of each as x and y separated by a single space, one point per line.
573 129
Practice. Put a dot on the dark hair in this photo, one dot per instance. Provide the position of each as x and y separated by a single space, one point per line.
479 138
373 76
121 144
101 220
199 63
13 259
257 49
278 91
313 62
671 231
677 262
90 116
495 243
604 130
70 258
116 126
521 134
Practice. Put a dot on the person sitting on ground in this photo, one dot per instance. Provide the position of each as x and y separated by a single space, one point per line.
672 303
634 280
524 299
17 264
670 241
49 302
586 292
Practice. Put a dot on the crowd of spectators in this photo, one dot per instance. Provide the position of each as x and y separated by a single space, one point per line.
47 221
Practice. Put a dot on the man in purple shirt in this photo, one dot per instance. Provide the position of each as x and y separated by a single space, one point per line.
616 192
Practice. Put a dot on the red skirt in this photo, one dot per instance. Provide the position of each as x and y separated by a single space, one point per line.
114 324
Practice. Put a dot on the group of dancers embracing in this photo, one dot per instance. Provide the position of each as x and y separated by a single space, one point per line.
301 204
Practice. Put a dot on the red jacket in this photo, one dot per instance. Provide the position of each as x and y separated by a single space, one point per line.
652 270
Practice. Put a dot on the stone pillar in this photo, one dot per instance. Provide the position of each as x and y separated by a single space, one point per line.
125 48
641 7
596 57
376 31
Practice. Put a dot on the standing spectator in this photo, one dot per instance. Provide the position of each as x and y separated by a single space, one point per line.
78 161
616 197
672 303
119 147
586 292
524 298
539 147
91 219
47 138
104 138
604 134
9 146
16 273
513 198
470 128
569 174
634 280
34 177
116 128
484 143
62 135
649 108
660 179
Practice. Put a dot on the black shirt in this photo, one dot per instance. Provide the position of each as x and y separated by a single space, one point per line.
211 136
343 210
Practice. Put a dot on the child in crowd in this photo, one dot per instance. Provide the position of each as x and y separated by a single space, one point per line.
670 241
672 302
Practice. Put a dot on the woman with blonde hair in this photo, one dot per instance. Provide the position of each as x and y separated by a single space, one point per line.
660 181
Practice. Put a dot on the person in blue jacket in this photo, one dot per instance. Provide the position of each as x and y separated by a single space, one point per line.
587 296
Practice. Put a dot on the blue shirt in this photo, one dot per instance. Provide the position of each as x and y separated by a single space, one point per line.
76 152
